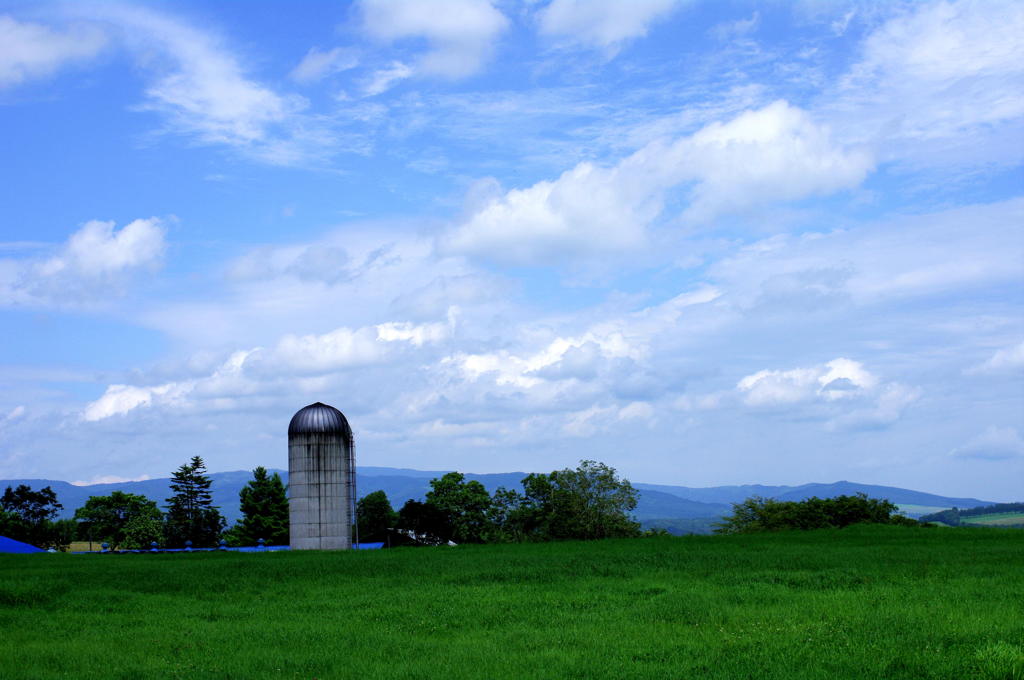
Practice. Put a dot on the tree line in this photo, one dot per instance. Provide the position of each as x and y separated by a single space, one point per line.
758 514
588 502
133 521
954 517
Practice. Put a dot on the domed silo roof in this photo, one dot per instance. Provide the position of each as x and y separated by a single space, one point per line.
319 418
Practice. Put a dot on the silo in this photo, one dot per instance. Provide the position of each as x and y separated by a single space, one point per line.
321 479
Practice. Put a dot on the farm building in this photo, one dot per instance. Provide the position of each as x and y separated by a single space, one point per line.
321 479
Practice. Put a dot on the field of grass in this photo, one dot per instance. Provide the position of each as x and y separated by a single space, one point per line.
996 519
915 511
863 602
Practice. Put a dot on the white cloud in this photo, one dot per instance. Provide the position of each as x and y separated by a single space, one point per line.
330 351
206 92
589 421
602 23
360 275
461 33
303 362
636 410
995 443
942 80
738 28
383 79
776 153
779 387
119 399
840 25
321 262
841 390
703 402
481 433
97 249
417 334
838 379
572 356
890 403
203 90
93 264
843 378
12 415
610 354
886 260
442 293
588 210
1005 360
318 64
30 50
941 43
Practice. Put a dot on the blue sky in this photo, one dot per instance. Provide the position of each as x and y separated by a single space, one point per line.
703 242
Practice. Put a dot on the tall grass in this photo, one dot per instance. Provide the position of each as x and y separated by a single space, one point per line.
863 602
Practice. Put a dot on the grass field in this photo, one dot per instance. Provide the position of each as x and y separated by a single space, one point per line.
915 511
864 602
996 519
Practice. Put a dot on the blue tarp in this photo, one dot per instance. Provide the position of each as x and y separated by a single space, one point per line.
358 546
252 548
9 545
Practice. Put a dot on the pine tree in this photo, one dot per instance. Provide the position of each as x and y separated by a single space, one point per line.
191 515
264 505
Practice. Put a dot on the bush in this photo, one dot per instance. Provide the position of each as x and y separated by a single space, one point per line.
767 514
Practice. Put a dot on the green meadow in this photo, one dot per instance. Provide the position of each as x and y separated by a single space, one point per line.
996 519
863 602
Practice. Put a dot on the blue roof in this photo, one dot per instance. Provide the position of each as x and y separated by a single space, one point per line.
9 545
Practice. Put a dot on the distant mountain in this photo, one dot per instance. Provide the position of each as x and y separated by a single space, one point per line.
660 505
372 471
717 494
892 493
656 501
736 494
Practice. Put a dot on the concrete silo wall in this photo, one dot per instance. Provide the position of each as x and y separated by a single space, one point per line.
319 490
